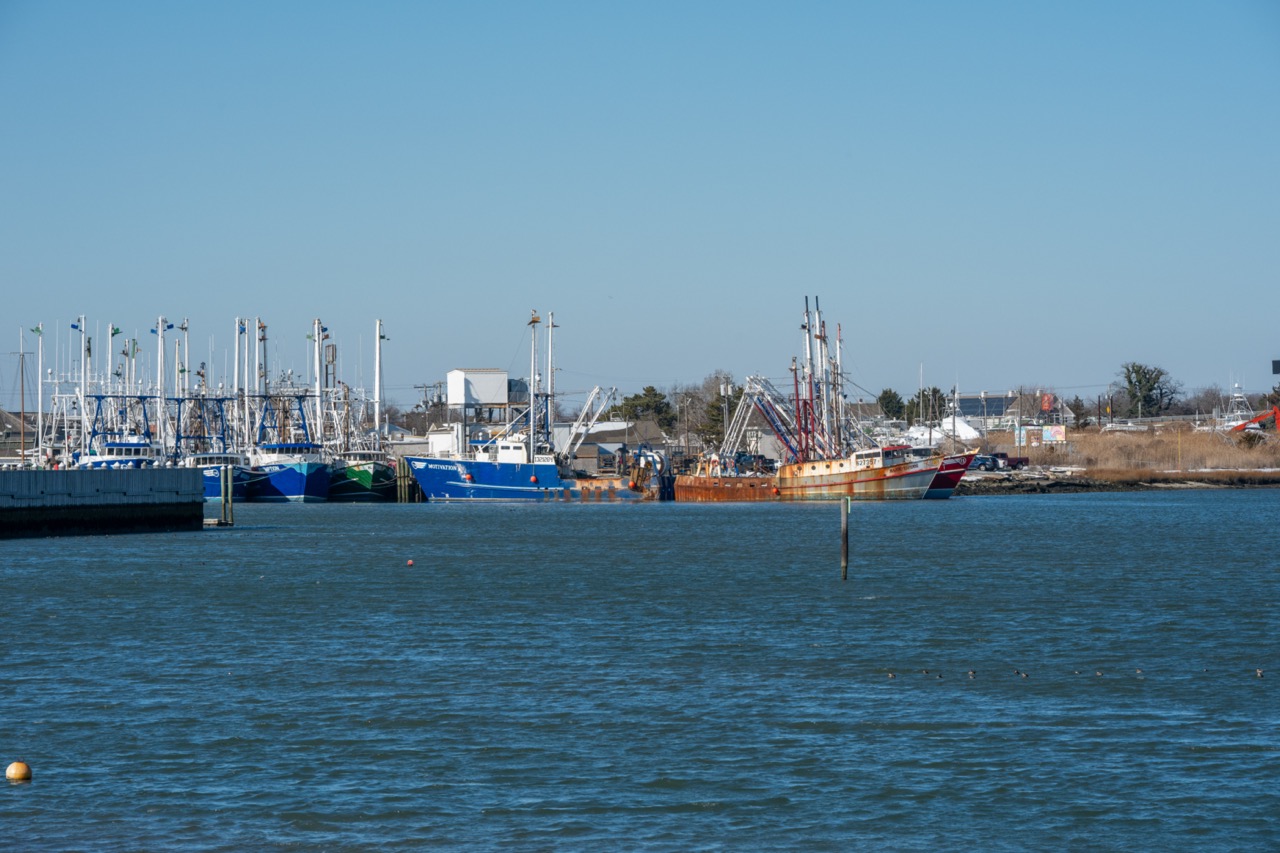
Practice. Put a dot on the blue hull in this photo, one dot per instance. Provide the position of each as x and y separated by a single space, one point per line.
481 480
293 481
240 478
466 479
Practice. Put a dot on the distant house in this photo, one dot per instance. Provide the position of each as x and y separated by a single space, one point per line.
14 435
1003 411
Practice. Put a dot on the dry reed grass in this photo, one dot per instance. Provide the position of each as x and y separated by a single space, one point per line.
1233 458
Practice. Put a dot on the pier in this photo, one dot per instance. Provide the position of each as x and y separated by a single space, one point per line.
60 503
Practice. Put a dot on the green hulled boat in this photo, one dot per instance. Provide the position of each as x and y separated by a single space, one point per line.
362 475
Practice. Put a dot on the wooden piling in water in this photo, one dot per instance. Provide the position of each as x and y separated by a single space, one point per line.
228 483
407 489
844 539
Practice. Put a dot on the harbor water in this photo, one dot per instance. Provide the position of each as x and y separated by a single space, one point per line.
654 676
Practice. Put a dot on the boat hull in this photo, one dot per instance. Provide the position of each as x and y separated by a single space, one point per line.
445 479
700 488
949 475
824 480
838 478
290 482
240 479
362 481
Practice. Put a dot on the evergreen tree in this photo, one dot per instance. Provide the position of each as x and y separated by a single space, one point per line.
890 402
649 403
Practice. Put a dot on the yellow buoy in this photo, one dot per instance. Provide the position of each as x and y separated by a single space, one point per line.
19 771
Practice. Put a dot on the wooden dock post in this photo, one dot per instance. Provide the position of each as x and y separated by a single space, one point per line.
844 539
407 490
227 479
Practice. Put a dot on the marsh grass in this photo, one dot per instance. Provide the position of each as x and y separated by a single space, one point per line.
1168 454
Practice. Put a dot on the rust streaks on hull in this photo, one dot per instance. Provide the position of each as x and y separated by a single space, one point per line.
695 488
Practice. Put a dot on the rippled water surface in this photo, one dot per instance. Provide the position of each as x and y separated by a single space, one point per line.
674 677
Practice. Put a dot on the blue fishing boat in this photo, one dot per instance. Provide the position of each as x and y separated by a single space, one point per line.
203 441
518 459
501 469
289 471
119 435
124 453
292 467
216 467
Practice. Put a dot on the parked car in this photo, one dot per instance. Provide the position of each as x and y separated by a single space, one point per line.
998 462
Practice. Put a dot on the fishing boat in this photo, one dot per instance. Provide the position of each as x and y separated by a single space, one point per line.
217 468
876 474
361 475
203 440
360 469
504 448
123 453
287 466
827 457
289 471
949 475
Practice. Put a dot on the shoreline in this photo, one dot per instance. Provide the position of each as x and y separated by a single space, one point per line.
1132 481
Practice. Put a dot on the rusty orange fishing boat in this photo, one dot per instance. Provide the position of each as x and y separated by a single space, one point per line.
827 457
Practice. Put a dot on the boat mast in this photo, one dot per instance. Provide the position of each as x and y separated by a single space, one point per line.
84 387
808 375
186 358
235 382
260 384
161 325
316 334
533 369
22 399
824 373
840 411
39 330
551 377
378 378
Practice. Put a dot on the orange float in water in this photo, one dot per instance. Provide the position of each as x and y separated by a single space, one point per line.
19 771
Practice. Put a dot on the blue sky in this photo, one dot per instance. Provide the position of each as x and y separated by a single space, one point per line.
990 194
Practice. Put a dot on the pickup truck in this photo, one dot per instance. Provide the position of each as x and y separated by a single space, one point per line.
999 462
